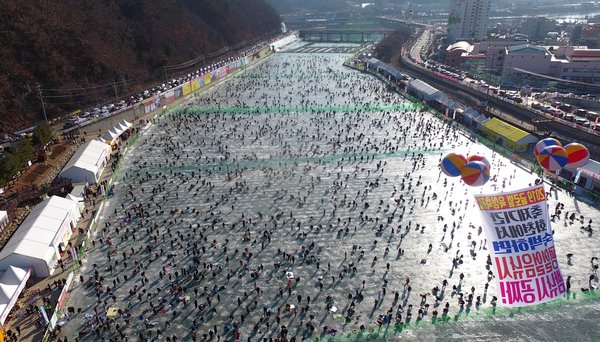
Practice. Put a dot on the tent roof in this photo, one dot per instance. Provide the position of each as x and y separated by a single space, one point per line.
122 127
13 275
387 68
12 283
88 157
470 113
78 189
3 215
126 123
75 198
506 130
592 167
35 235
423 87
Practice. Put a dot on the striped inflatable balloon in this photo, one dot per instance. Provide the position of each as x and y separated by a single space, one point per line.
482 159
452 164
577 154
542 144
553 158
475 173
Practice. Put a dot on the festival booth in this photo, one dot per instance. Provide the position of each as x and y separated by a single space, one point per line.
42 236
276 46
469 116
78 194
12 283
424 91
111 137
386 70
507 135
480 120
3 219
87 163
588 177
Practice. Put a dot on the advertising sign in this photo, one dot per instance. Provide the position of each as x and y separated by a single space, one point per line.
521 245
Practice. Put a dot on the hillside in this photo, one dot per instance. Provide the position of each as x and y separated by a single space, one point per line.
309 6
94 47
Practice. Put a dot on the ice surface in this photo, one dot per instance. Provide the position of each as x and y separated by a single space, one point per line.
318 158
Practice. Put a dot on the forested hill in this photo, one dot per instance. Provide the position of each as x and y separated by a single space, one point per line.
91 45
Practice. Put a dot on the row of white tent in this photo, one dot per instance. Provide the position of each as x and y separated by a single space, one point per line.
36 246
88 163
113 134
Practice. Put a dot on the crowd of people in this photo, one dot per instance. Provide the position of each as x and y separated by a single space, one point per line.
295 201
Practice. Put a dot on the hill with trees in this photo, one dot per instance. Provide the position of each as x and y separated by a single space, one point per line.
85 51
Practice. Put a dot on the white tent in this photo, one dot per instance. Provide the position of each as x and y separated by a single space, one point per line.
87 163
122 127
111 134
126 124
43 234
12 283
3 219
79 200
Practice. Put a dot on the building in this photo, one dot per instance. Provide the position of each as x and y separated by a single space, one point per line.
537 28
468 20
507 135
573 63
42 236
456 53
582 65
526 58
588 35
87 163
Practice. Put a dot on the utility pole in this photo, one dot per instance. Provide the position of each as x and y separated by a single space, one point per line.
39 89
116 93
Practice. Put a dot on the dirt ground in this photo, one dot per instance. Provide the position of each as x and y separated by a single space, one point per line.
39 171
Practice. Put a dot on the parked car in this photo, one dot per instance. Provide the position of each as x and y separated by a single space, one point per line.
582 122
580 112
592 115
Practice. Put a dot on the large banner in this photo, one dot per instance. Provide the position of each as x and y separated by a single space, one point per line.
219 73
195 84
186 88
517 228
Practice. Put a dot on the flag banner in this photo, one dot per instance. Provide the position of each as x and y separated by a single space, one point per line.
521 246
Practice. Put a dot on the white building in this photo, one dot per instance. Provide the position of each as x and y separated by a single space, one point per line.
87 163
468 20
42 236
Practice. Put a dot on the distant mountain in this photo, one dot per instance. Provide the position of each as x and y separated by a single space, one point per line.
295 6
97 47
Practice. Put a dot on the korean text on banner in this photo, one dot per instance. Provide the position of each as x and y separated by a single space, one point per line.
517 228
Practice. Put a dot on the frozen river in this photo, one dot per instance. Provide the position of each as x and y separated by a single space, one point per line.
302 199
